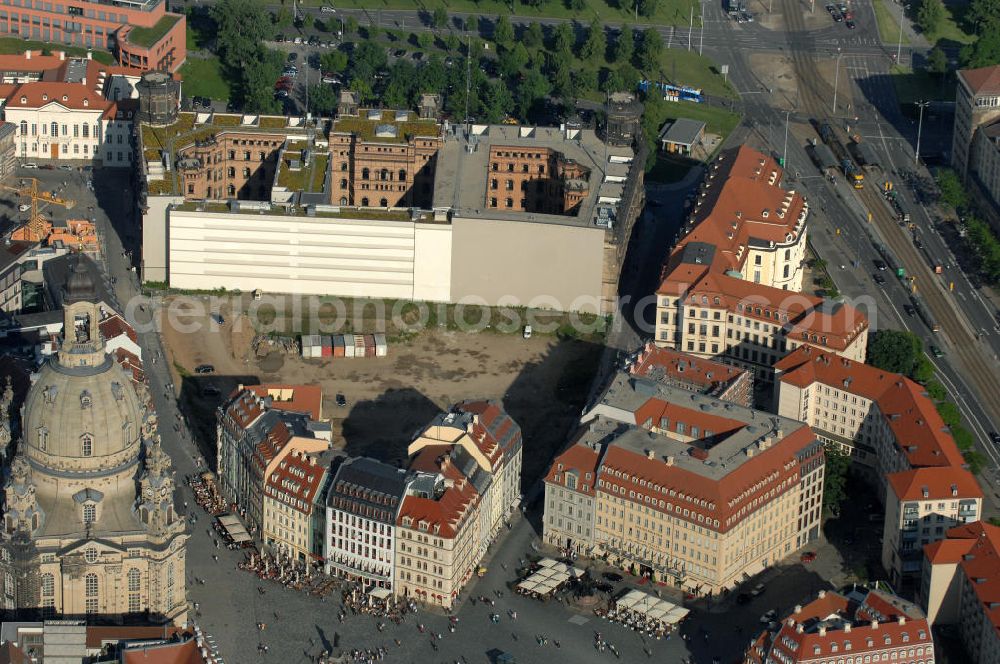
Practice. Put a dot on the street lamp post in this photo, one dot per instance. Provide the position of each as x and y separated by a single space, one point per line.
784 150
899 43
920 125
701 39
836 81
690 27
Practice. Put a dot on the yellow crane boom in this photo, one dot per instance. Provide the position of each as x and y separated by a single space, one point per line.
37 223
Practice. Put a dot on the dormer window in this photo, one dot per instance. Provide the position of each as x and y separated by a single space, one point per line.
65 98
24 100
86 102
85 400
45 97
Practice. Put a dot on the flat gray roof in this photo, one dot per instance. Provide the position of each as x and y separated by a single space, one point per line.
462 169
682 131
614 416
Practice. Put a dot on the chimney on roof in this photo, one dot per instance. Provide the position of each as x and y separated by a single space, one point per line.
847 628
954 489
925 492
901 620
650 454
822 630
779 433
27 54
90 54
874 624
797 609
799 629
821 594
670 460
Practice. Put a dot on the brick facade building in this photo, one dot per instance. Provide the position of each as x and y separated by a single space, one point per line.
535 180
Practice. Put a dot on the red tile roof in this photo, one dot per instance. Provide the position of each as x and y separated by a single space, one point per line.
11 654
100 635
449 510
114 325
983 79
130 363
946 482
947 551
980 562
306 399
824 633
494 432
654 361
578 458
186 652
76 96
920 432
296 480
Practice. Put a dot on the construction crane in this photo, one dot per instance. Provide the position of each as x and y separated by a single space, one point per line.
38 227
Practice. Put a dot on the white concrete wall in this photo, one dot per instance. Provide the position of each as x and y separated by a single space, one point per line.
308 255
524 263
154 237
432 262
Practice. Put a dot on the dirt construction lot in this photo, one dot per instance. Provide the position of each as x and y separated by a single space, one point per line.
542 381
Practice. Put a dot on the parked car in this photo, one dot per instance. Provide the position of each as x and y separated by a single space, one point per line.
327 9
30 164
297 40
210 391
341 400
880 264
527 332
850 25
995 437
910 311
768 617
758 590
936 352
838 17
23 207
217 317
830 7
65 167
613 577
293 56
332 79
808 556
204 369
879 279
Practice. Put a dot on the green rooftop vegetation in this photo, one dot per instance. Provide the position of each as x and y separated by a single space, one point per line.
364 128
272 122
147 37
320 163
289 178
161 187
10 45
226 120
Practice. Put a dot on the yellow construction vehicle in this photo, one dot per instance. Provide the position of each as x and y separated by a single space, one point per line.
38 226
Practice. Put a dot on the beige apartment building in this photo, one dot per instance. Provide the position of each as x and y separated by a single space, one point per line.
960 586
890 427
695 492
293 504
468 481
977 109
437 532
730 285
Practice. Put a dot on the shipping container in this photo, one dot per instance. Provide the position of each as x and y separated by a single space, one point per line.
327 351
327 340
381 347
359 345
348 345
369 345
338 346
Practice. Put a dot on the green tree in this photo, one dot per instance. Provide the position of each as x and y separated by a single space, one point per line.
930 16
333 61
533 37
650 49
363 88
624 48
425 40
282 18
498 103
949 413
562 79
308 21
596 43
368 58
241 28
985 246
835 478
936 391
452 42
432 75
532 89
952 191
439 19
256 86
647 8
585 80
983 15
322 100
564 39
576 5
513 60
503 32
984 52
900 352
351 25
937 61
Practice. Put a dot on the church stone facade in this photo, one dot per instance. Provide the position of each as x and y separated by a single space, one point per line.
89 524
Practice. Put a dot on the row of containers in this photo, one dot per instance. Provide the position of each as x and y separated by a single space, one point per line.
344 345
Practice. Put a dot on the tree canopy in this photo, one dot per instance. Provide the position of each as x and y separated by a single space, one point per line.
596 44
900 352
835 478
624 47
930 16
650 49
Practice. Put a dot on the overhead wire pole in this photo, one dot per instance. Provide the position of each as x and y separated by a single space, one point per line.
690 27
784 150
836 81
920 125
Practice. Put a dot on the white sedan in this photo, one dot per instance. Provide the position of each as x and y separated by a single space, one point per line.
327 9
